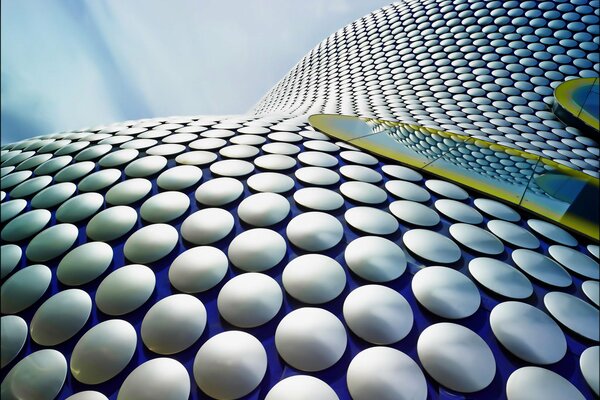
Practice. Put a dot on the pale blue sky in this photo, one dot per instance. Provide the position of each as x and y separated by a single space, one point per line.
68 64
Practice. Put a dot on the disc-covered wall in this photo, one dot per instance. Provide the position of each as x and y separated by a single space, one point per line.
254 257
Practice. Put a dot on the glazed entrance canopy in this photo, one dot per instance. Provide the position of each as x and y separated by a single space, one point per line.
537 184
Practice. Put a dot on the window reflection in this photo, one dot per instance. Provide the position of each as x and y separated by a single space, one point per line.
559 193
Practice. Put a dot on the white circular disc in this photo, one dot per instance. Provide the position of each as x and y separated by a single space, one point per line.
111 223
500 278
165 207
60 317
529 383
24 288
476 239
198 269
173 324
371 220
263 209
458 211
125 289
589 363
219 191
414 213
378 314
574 313
151 243
456 357
13 334
84 263
314 231
230 365
431 246
384 373
575 261
39 376
314 278
513 234
270 182
249 300
103 351
375 259
317 198
310 339
528 332
301 387
207 226
446 292
257 250
156 379
541 267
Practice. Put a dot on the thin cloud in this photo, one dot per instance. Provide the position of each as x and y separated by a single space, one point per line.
67 65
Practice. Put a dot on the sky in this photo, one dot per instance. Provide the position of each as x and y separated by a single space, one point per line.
71 64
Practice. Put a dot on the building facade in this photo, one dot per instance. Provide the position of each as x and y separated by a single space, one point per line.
439 240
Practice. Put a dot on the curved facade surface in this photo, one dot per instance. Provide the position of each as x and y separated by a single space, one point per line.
483 68
255 257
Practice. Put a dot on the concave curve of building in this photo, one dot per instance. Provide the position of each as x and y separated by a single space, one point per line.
255 256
